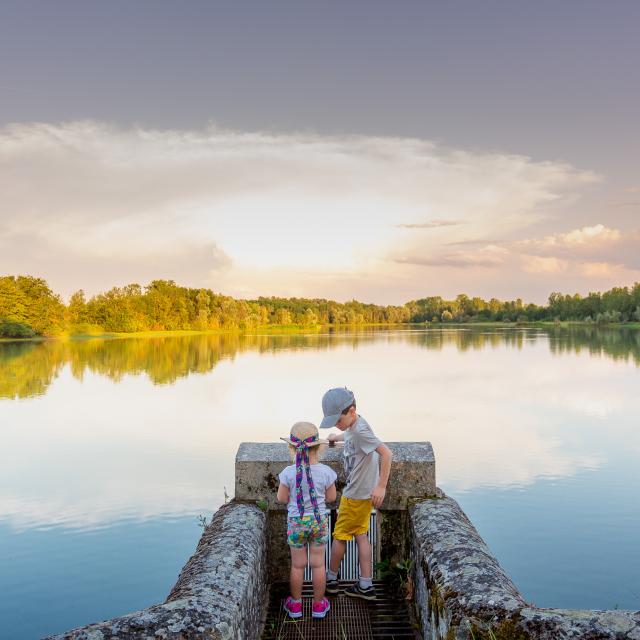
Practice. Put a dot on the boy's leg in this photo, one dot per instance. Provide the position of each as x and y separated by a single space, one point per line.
364 587
318 575
339 545
298 563
364 557
338 549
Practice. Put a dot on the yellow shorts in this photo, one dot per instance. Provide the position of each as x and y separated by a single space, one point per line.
353 518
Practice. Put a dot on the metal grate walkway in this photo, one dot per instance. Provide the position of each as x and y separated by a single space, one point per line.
349 619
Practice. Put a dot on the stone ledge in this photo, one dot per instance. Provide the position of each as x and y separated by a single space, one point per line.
413 472
220 593
460 585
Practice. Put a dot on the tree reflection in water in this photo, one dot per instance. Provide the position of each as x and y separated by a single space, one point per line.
28 368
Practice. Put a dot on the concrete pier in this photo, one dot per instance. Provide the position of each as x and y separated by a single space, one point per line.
413 478
457 588
258 465
461 589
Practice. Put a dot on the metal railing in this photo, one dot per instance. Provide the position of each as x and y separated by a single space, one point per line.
349 564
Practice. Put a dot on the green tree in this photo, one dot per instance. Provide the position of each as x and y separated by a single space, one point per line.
30 301
310 317
283 317
77 308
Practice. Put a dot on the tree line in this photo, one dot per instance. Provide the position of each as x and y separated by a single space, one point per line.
28 308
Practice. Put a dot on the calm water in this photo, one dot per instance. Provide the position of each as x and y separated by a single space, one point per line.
111 449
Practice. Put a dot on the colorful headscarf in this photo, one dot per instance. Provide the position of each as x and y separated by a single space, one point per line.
302 456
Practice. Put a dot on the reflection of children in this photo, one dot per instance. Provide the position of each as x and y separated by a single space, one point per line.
367 464
305 487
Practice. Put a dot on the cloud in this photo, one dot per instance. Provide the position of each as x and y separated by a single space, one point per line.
587 236
489 256
627 204
536 264
105 266
597 269
585 259
85 202
597 234
474 242
594 244
431 224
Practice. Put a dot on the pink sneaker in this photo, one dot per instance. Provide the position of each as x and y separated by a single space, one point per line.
320 609
293 607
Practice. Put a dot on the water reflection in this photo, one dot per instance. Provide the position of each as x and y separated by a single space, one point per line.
28 369
105 438
502 409
618 343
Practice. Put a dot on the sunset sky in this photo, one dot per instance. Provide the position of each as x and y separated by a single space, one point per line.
371 150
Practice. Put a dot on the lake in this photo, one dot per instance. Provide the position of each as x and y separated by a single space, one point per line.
113 449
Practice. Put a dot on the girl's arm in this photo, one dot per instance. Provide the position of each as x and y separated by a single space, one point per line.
283 494
330 493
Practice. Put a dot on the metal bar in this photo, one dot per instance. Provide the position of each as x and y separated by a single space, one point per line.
349 565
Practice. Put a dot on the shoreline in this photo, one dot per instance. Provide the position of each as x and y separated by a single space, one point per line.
301 329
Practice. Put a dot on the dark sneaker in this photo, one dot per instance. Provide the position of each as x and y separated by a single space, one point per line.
356 591
332 588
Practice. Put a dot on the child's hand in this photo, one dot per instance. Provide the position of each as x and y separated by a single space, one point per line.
377 496
332 437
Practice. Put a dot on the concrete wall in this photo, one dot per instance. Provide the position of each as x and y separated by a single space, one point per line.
220 594
460 587
413 476
258 464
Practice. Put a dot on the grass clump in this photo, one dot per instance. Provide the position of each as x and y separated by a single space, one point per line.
505 630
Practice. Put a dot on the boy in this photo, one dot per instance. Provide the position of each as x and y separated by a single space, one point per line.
367 463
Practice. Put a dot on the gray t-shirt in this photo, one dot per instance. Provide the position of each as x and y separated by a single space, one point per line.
323 477
361 460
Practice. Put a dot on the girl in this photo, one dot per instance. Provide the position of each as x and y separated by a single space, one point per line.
305 487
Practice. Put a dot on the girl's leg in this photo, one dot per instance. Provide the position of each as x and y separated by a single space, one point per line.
319 577
298 563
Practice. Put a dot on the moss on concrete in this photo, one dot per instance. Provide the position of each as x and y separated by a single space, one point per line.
394 539
505 630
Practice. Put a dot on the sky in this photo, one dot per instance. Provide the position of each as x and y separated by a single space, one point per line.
370 150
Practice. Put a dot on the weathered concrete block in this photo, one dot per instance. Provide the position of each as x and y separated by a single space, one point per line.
413 472
460 586
457 576
278 556
220 593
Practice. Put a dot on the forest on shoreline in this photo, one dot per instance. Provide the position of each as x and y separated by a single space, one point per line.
29 308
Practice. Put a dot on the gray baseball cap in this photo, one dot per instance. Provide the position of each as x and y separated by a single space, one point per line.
334 402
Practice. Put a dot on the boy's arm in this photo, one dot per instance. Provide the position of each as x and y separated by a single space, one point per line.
335 437
378 493
283 494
